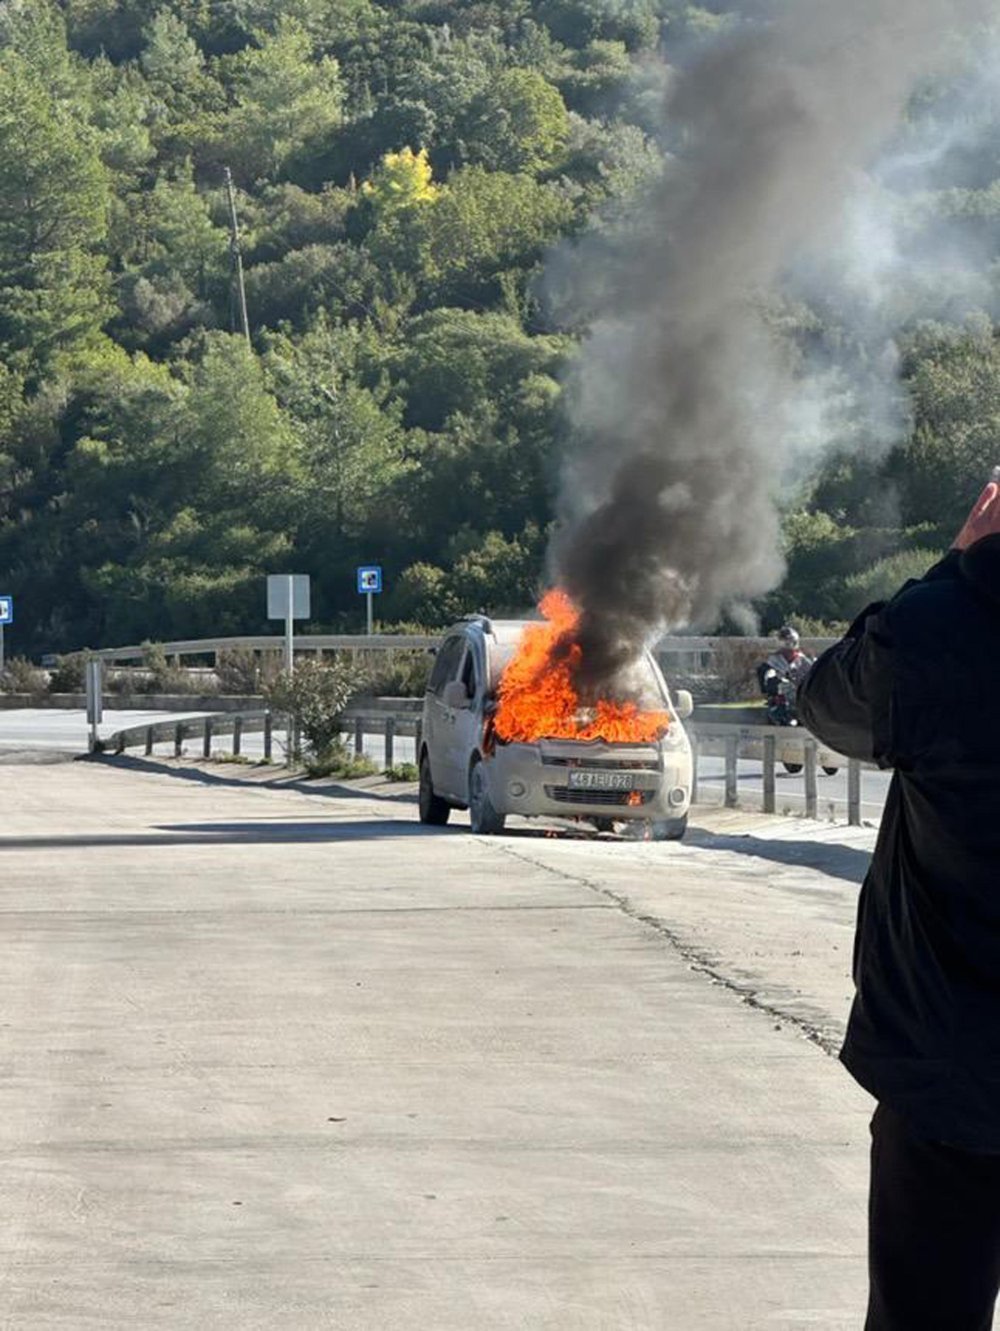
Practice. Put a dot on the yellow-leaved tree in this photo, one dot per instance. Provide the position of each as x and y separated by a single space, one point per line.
403 181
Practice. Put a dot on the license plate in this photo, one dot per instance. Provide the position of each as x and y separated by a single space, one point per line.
586 780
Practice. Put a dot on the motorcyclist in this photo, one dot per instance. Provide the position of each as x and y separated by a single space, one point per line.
788 664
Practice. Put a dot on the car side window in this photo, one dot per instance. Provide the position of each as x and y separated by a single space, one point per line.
470 675
445 664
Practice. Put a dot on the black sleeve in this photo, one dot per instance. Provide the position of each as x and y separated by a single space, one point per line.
845 699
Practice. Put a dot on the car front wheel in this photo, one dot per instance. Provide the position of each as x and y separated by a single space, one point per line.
433 809
484 818
669 829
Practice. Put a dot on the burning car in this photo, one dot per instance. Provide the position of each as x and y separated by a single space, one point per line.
505 732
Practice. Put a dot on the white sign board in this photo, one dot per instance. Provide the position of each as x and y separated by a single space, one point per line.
277 595
6 609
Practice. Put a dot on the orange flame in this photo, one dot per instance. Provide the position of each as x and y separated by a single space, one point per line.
537 698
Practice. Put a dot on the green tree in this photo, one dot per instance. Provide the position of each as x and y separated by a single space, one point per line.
353 441
517 123
485 225
955 386
172 61
282 100
53 219
174 259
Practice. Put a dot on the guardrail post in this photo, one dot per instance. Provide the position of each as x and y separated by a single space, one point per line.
206 744
237 736
359 737
149 740
810 779
693 737
390 737
732 752
770 747
854 792
268 736
178 739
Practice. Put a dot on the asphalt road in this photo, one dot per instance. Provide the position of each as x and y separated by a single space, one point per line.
278 1058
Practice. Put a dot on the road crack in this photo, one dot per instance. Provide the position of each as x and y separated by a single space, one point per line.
696 959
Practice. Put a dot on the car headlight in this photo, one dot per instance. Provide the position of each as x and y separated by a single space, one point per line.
674 739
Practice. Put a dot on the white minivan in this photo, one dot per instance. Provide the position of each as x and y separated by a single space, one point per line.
464 765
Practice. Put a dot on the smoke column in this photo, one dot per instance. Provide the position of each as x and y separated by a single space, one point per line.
682 399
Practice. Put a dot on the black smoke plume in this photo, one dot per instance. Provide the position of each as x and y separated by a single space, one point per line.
682 400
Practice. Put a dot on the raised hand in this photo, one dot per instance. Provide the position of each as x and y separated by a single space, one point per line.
984 520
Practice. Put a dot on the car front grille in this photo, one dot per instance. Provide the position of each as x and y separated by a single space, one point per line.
612 798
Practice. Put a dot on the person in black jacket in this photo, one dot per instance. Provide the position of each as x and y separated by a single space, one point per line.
915 686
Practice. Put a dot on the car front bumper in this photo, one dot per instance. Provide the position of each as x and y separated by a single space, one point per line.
534 780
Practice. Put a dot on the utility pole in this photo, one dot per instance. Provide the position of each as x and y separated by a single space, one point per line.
236 257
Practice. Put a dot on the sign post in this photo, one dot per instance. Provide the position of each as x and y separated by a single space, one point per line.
6 617
369 586
288 598
95 697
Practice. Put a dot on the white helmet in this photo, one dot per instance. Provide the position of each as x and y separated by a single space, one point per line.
789 637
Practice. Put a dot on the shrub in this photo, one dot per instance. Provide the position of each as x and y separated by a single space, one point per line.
399 674
159 676
735 666
884 579
20 676
68 673
315 697
339 761
241 671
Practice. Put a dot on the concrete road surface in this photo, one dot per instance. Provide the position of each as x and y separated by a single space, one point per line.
271 1059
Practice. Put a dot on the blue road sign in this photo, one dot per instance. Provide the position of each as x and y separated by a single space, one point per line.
369 579
6 609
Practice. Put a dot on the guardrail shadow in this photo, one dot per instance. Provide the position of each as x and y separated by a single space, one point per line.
837 861
268 832
232 834
281 780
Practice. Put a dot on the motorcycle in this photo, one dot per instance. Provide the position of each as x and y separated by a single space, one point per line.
781 712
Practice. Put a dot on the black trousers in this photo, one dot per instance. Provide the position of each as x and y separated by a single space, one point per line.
933 1233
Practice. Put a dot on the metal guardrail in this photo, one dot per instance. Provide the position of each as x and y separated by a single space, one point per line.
205 728
692 652
304 642
769 745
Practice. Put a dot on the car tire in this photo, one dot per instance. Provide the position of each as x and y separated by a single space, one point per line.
793 769
433 809
831 771
484 818
669 829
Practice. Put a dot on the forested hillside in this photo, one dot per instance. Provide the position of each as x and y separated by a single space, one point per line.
401 171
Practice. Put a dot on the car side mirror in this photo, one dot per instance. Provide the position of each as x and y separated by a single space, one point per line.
683 704
455 696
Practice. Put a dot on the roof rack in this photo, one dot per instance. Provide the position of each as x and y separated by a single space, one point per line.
481 619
